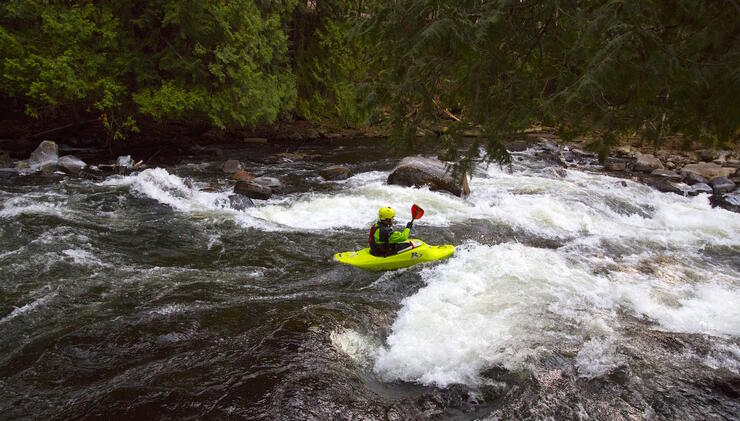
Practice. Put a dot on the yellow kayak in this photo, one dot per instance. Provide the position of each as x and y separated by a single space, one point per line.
419 253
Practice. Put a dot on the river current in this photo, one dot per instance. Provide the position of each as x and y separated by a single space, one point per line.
571 295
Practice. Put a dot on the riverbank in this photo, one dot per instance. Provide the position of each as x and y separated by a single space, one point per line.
687 173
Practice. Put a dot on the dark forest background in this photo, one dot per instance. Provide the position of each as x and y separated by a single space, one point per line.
604 69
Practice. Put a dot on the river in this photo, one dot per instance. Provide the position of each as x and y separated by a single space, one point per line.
569 297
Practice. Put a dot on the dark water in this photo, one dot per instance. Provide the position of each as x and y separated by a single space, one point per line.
140 297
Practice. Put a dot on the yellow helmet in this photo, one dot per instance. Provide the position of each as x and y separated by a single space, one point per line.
386 213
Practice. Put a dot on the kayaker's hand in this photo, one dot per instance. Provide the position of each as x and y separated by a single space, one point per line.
410 224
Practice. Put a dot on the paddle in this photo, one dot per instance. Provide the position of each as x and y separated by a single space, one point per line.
416 212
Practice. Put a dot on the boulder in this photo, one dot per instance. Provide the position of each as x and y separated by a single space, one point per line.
668 186
707 170
419 171
733 163
125 161
707 155
729 201
231 166
550 146
722 185
699 188
270 182
240 202
666 174
693 178
22 165
625 152
647 163
336 172
242 175
47 152
252 190
71 164
615 165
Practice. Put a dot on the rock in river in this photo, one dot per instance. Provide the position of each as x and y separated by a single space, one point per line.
46 153
666 174
707 170
336 172
722 185
270 182
418 171
242 175
240 202
231 166
647 163
71 164
699 188
252 190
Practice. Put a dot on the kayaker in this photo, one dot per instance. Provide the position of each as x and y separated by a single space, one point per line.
383 240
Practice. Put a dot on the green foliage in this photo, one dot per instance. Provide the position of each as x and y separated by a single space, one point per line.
329 64
329 75
599 68
226 63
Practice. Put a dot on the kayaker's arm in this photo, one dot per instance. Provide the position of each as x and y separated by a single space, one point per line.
399 237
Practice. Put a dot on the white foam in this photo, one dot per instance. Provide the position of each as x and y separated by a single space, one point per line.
597 357
28 205
361 349
508 304
27 308
83 257
487 306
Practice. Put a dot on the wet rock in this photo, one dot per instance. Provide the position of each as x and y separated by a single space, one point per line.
252 190
647 163
671 165
418 171
615 165
729 201
240 202
71 164
666 174
47 151
625 152
707 155
700 188
558 172
231 166
125 161
48 168
550 146
90 174
517 146
22 165
707 170
668 186
270 182
733 163
722 185
693 178
242 175
336 172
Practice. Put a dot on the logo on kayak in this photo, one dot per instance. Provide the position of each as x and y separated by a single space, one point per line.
415 255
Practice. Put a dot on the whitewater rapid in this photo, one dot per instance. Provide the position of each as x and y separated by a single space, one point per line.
622 250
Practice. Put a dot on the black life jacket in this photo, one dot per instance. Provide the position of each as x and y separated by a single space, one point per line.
379 249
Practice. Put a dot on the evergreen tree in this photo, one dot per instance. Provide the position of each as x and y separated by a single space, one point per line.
598 68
